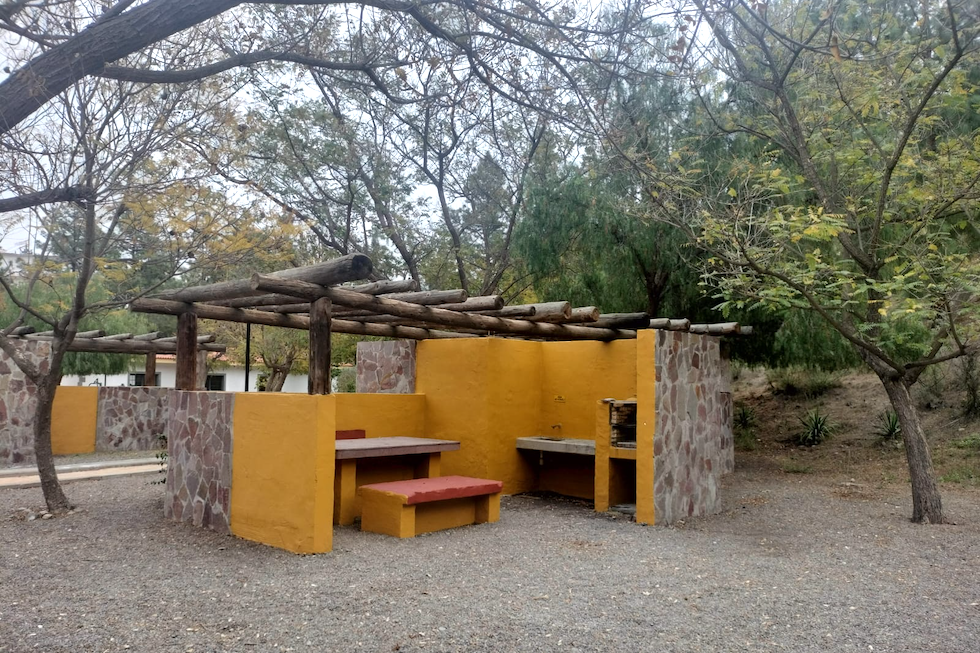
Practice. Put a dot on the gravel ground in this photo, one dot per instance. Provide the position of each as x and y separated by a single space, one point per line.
792 566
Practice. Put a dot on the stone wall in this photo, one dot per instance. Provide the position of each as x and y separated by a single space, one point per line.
131 419
387 366
17 405
692 443
199 443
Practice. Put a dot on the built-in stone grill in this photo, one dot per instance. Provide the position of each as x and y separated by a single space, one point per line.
622 423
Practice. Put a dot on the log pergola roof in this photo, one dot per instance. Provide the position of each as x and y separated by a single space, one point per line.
312 299
119 343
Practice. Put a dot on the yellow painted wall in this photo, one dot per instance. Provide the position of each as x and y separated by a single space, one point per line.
283 470
576 375
382 415
73 420
486 393
515 376
453 375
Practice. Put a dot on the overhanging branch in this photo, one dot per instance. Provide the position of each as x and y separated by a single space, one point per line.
49 196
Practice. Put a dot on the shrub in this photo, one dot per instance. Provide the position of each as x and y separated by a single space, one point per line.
816 429
347 380
970 381
889 428
743 424
736 368
802 381
744 416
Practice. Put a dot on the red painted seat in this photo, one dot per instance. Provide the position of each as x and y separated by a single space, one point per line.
424 505
441 488
351 434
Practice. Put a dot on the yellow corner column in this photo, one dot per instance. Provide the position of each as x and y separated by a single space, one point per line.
74 419
282 491
646 388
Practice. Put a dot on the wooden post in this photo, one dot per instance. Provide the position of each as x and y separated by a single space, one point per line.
320 346
187 351
150 370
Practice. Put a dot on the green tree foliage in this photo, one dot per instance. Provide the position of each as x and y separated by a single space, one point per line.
874 105
582 241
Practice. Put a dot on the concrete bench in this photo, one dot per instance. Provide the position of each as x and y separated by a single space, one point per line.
424 505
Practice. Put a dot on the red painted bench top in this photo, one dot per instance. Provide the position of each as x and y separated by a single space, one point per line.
351 434
424 490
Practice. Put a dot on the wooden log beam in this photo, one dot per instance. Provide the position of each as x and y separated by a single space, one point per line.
200 339
424 298
98 333
92 345
468 305
341 270
720 329
576 315
479 303
116 336
152 335
435 315
134 347
385 286
542 309
623 320
251 316
526 310
375 288
319 377
186 351
670 324
22 330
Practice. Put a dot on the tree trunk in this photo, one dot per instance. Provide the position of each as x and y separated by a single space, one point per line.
277 377
927 503
54 497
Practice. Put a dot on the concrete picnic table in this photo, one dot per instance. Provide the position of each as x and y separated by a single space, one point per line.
383 459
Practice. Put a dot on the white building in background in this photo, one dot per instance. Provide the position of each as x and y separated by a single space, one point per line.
13 263
230 379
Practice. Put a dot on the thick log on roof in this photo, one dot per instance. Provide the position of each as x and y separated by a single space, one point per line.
525 310
117 336
81 334
480 303
624 320
200 339
721 329
434 315
575 315
374 288
251 316
669 324
424 298
346 268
